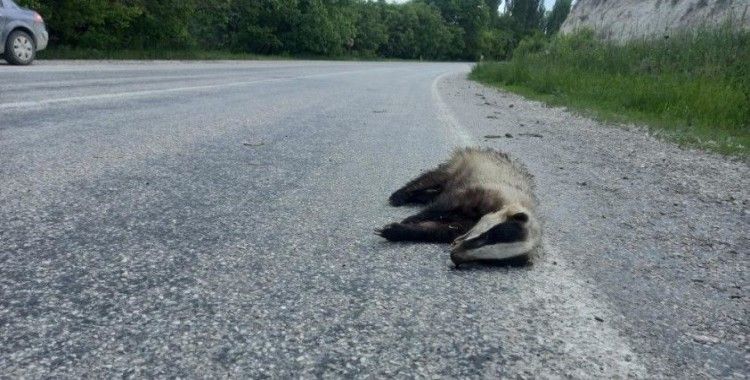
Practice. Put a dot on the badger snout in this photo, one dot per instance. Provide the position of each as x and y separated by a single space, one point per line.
459 253
459 257
503 241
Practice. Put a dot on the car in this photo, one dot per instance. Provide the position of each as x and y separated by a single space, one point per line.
22 33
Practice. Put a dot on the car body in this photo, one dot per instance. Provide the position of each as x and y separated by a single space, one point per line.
22 33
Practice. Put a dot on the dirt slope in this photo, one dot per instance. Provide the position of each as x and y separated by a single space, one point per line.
622 20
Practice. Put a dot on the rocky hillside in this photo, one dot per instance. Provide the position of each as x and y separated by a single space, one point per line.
622 20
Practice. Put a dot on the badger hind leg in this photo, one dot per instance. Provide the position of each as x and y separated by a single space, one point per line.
421 190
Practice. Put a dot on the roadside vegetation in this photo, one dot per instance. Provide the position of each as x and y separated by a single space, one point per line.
693 88
343 29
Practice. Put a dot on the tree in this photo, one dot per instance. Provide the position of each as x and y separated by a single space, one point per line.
528 15
472 16
371 30
429 29
100 24
262 26
558 15
162 23
210 24
493 6
317 32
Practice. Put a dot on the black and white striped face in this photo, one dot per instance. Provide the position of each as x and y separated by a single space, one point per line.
508 233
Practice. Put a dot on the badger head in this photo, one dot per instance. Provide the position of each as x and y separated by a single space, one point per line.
511 232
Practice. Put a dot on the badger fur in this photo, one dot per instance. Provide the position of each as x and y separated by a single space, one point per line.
479 200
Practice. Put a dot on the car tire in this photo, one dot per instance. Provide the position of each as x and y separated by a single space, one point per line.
20 48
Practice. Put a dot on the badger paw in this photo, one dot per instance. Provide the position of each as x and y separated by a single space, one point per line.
399 198
394 232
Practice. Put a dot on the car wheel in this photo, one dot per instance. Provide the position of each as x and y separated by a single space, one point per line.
20 48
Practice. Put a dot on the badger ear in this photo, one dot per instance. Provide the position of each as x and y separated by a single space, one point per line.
520 217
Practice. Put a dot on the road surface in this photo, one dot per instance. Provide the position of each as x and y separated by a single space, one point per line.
216 220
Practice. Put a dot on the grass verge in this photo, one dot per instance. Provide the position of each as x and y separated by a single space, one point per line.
692 88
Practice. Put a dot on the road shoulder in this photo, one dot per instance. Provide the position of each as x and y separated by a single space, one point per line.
657 232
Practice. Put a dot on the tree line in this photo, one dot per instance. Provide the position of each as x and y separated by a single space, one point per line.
417 29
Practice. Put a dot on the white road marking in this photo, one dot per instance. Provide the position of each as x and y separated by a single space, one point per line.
140 65
573 321
133 94
110 80
446 116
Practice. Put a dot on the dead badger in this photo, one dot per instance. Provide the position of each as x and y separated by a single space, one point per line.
480 201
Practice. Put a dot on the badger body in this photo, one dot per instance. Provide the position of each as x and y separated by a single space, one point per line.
480 200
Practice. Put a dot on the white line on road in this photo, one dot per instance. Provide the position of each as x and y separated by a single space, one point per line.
132 94
446 116
574 310
110 80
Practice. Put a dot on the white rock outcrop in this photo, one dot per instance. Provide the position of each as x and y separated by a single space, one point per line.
622 20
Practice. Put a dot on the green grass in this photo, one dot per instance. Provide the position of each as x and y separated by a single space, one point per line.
691 88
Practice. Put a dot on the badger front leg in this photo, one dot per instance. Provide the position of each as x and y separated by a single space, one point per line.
421 190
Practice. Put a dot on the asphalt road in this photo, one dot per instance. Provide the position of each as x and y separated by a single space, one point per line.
216 219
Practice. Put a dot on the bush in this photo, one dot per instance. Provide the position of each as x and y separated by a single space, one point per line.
533 44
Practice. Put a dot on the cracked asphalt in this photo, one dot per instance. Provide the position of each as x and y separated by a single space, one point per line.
214 219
